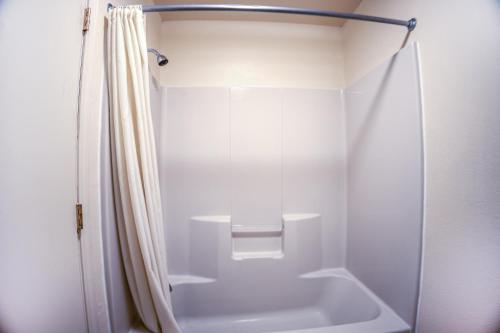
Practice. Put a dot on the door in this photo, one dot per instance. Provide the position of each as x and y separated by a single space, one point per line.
40 268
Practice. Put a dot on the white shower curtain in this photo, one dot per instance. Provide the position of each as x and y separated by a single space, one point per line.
135 171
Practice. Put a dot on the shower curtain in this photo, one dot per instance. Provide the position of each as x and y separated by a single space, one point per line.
135 171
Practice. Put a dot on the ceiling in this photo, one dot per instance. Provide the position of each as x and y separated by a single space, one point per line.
337 5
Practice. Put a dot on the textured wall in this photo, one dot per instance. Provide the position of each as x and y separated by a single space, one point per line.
228 53
40 280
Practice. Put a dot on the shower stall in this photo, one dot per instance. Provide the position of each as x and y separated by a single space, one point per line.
290 209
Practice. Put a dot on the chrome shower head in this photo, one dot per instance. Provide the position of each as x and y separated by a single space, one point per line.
160 58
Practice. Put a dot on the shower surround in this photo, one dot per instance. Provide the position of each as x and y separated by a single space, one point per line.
295 209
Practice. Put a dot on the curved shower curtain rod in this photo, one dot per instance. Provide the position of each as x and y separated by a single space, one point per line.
409 24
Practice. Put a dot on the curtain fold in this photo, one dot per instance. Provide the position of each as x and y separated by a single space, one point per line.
135 170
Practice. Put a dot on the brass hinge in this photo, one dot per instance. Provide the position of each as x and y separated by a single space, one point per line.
79 218
86 19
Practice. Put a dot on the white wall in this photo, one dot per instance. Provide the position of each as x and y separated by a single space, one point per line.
153 37
460 56
385 181
227 53
40 276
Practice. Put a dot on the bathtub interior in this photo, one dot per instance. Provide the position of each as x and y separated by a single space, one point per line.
245 293
271 305
262 190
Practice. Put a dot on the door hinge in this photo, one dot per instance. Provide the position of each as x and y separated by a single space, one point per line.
86 19
79 218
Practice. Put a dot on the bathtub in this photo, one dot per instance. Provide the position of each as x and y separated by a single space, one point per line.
324 301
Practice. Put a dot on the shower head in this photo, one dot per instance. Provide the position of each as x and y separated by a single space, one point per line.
160 58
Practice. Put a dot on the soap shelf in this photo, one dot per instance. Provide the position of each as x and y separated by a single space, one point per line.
258 241
257 230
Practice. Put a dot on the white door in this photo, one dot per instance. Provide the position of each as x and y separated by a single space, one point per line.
40 271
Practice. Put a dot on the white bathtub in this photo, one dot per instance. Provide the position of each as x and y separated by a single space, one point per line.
325 301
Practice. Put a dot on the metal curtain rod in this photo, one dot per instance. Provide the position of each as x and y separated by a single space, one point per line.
410 24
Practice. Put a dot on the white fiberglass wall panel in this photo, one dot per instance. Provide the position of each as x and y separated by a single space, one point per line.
194 163
248 158
385 181
256 164
314 165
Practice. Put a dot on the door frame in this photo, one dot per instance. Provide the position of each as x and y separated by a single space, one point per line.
89 170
